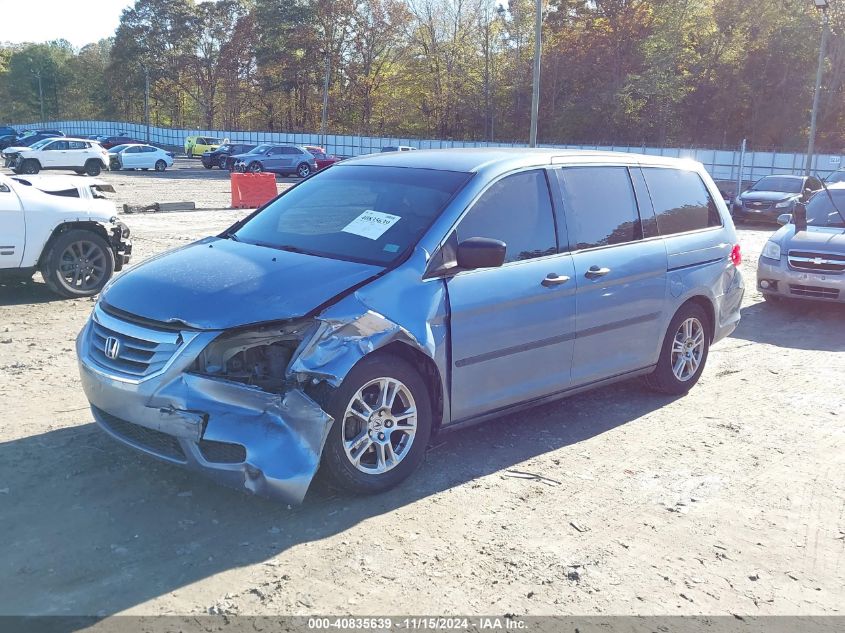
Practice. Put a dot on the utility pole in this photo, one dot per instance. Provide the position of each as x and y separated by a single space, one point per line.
538 47
147 100
811 146
325 120
37 75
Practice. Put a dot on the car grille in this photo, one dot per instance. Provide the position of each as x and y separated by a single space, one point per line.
817 262
156 442
816 292
222 452
130 350
758 206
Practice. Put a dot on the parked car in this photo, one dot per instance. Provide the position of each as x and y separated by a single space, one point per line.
198 145
222 155
24 142
281 159
6 130
79 155
63 227
805 258
323 160
8 140
397 294
398 148
112 141
771 196
139 157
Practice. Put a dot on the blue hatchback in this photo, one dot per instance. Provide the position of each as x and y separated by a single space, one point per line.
396 294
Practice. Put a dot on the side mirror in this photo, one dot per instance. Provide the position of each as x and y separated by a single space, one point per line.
784 218
799 216
481 252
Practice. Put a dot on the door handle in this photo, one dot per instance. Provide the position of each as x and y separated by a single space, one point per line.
553 279
595 272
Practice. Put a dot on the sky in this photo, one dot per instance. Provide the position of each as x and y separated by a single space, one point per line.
78 21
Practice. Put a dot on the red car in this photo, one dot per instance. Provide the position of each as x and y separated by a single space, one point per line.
323 159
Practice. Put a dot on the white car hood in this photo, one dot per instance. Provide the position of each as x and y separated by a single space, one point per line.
34 198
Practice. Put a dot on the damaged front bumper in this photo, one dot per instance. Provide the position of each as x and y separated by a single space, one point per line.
266 443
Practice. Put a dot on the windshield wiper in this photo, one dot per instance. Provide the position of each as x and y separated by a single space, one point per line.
284 247
827 191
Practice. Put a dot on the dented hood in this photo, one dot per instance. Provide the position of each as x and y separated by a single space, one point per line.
218 283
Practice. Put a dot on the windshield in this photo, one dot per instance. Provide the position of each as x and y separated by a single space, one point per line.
837 176
821 212
41 143
778 183
355 212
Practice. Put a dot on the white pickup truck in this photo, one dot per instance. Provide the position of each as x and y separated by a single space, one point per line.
64 227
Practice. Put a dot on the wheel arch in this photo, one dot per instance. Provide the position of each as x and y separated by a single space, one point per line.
706 304
64 227
427 368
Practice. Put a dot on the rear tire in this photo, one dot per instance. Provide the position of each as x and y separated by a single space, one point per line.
684 352
303 170
93 167
388 445
160 165
78 264
255 167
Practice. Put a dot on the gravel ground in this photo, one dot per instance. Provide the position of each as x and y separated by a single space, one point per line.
730 500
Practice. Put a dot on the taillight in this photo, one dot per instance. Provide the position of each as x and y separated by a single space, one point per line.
736 255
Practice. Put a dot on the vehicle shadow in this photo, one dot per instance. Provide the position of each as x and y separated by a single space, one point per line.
795 324
16 293
90 527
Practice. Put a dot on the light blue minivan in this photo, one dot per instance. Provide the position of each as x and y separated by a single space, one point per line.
393 295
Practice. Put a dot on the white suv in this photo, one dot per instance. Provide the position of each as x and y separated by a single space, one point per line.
80 155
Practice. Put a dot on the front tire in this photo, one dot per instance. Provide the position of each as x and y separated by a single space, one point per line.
30 167
684 352
78 264
383 422
222 163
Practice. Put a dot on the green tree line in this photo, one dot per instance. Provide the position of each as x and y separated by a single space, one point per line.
667 72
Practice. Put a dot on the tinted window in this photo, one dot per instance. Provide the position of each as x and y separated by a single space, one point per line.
275 151
290 150
681 201
600 206
58 145
518 211
77 145
355 212
837 176
822 212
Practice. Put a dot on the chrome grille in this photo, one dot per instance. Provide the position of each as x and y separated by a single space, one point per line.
817 262
130 350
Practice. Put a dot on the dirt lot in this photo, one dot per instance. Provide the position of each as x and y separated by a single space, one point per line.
730 500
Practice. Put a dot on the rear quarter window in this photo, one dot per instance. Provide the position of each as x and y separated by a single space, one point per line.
681 201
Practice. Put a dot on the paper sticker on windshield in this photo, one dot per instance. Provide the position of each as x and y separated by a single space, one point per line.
371 224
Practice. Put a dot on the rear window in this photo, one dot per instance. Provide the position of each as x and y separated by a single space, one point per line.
681 201
355 212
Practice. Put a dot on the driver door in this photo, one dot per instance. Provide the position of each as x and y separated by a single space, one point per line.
54 154
12 228
513 327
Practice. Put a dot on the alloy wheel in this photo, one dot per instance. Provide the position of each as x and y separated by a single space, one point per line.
83 265
379 426
688 349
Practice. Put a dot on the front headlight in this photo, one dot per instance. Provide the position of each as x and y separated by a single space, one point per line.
258 357
783 204
771 250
